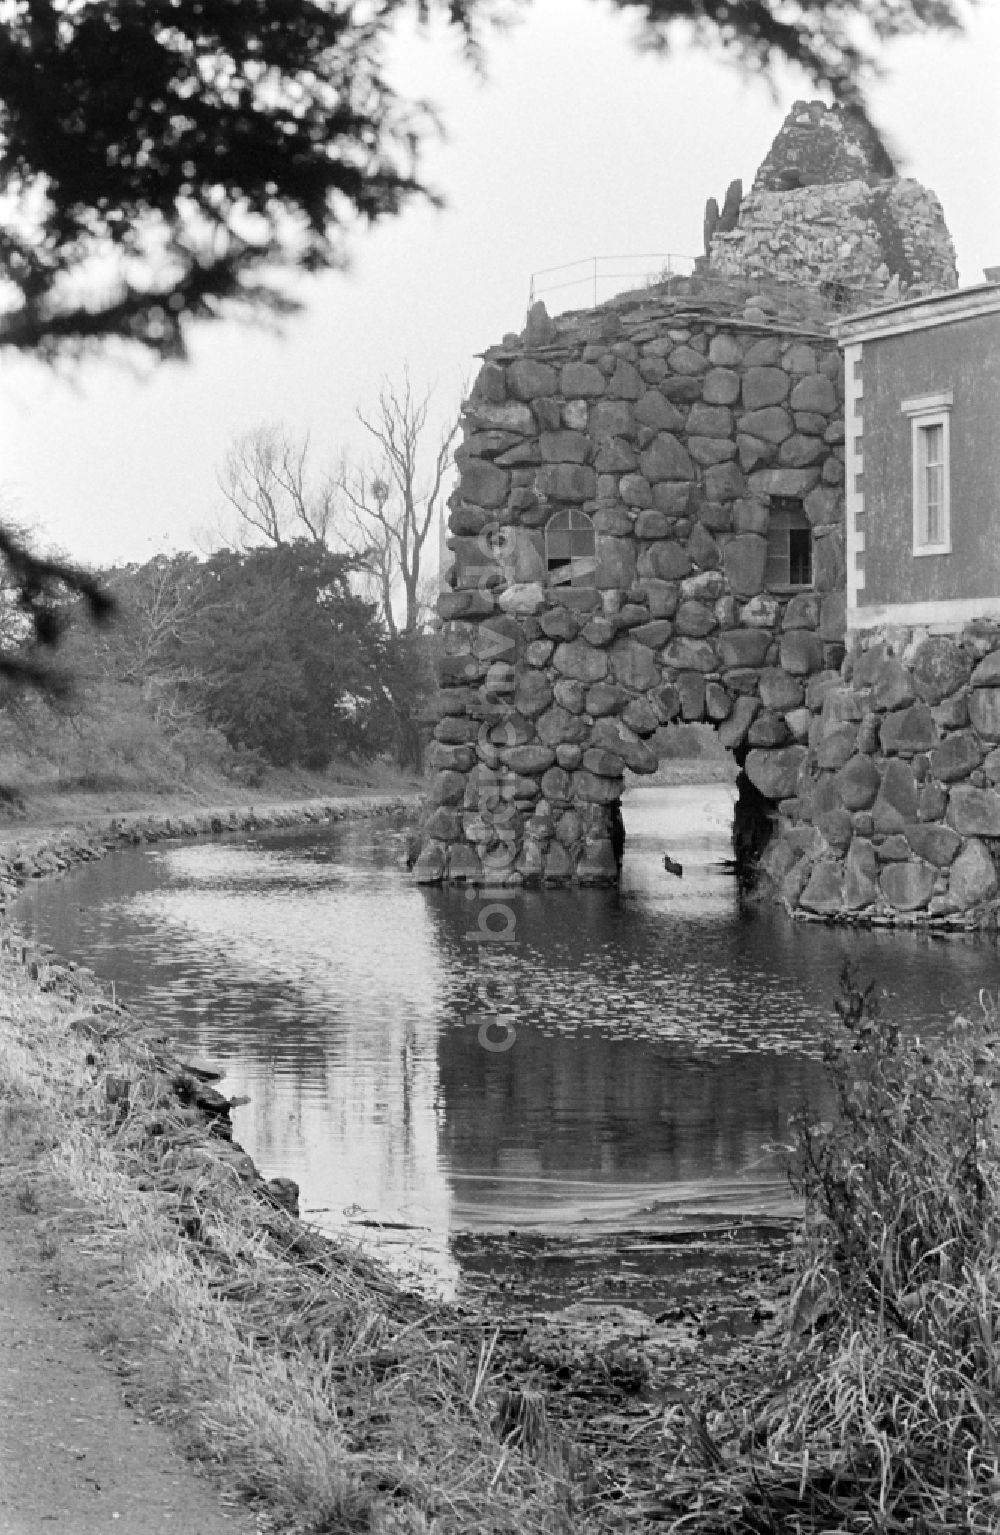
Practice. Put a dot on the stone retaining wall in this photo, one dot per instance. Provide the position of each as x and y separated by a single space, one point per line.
895 817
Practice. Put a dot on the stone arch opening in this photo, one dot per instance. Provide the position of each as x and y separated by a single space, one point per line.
696 746
750 826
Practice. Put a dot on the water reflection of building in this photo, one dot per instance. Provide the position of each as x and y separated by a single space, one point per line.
602 1109
634 1067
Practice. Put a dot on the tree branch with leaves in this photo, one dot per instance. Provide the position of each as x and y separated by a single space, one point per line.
169 161
40 595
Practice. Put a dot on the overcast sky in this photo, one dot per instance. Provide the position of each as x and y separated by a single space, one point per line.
574 146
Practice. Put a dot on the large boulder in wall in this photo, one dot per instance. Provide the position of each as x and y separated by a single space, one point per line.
775 773
745 560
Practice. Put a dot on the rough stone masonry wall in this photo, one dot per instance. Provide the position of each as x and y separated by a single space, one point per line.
895 816
878 242
669 418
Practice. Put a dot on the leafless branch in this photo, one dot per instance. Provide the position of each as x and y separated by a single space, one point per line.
381 512
266 481
395 507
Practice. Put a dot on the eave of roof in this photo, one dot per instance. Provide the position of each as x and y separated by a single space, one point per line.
919 313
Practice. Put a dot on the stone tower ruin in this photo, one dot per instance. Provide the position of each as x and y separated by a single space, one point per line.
648 525
826 208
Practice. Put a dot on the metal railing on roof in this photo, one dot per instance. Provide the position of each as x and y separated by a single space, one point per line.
594 275
592 280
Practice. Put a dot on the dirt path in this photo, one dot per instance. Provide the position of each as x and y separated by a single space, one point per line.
73 1455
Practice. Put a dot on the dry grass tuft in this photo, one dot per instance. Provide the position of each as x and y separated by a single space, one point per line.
27 1198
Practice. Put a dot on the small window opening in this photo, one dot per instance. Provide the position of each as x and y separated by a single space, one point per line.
570 549
789 546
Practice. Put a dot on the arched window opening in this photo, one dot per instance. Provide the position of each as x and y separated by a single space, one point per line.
789 546
570 549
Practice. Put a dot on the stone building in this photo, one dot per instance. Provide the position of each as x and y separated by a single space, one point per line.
923 379
649 527
898 808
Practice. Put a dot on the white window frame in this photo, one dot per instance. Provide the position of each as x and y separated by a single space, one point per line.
927 411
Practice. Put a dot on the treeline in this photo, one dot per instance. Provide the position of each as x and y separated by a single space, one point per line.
234 663
305 639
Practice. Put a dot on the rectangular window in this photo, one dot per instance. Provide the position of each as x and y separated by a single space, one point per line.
930 441
931 455
789 546
570 554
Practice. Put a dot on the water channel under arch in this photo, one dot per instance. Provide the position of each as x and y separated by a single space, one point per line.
662 1034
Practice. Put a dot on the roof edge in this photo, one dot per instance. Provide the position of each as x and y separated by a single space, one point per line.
919 313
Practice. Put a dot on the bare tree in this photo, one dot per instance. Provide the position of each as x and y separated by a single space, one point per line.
157 603
382 513
266 480
394 506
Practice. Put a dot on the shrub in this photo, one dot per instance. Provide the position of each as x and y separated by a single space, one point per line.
884 1412
246 766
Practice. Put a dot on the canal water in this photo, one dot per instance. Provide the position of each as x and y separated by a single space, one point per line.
428 1062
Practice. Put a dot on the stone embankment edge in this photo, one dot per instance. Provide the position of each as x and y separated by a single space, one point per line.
37 854
29 855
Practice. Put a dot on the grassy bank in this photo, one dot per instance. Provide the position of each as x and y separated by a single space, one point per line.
55 829
291 1365
33 798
